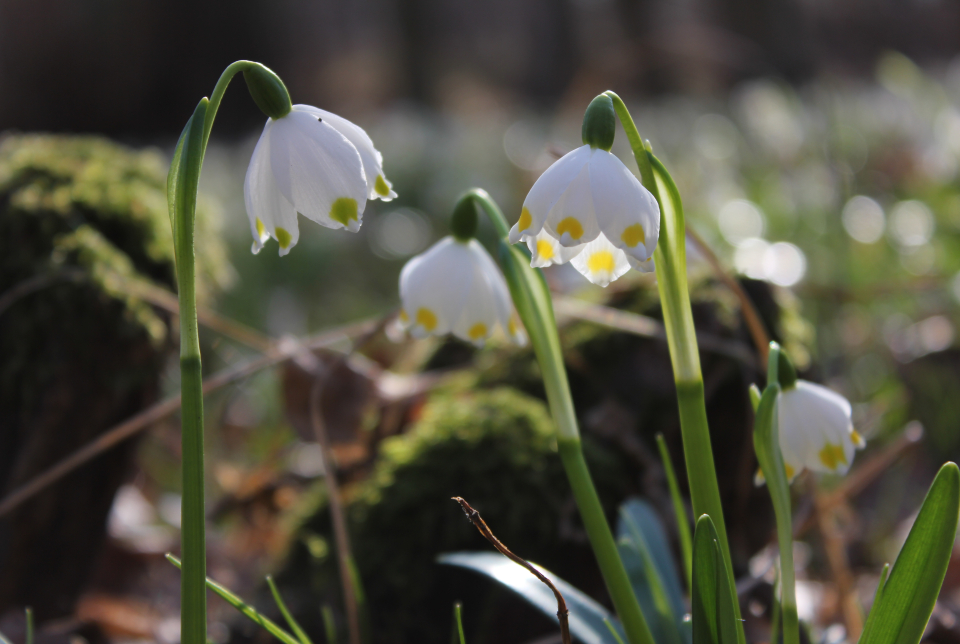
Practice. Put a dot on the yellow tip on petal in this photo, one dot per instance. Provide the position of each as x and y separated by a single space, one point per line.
261 229
343 210
633 235
427 319
477 331
404 317
380 186
544 249
525 220
283 237
600 261
857 438
789 471
572 226
832 456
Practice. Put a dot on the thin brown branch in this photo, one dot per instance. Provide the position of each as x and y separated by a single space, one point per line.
167 407
562 612
754 324
340 533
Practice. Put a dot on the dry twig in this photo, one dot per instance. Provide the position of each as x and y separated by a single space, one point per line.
562 612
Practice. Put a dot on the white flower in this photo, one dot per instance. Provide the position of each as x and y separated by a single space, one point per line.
588 208
314 163
455 287
816 430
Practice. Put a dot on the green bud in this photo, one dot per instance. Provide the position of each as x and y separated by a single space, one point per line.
463 222
786 372
599 123
267 91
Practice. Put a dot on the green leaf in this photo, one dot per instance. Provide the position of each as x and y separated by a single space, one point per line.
714 620
586 616
679 510
329 625
291 622
173 175
649 562
906 600
246 609
458 621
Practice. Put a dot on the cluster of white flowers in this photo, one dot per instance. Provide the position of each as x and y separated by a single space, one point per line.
587 209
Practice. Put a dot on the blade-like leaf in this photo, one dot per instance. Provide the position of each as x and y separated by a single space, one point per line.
649 563
679 510
714 621
173 175
291 622
246 609
586 616
906 600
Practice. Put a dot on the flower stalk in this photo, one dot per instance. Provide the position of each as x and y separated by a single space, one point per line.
671 269
534 305
182 182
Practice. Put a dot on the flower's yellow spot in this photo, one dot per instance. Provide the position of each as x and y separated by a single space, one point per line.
525 220
544 249
633 235
380 186
404 317
512 326
343 210
857 438
789 471
572 226
427 319
283 237
477 331
261 229
832 455
601 261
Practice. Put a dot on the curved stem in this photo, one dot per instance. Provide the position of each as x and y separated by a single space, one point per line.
534 305
671 267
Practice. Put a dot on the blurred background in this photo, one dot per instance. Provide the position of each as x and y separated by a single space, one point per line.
817 149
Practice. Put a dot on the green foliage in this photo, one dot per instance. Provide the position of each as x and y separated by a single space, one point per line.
714 619
906 598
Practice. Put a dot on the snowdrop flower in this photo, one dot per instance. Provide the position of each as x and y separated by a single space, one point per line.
456 287
314 163
589 209
816 430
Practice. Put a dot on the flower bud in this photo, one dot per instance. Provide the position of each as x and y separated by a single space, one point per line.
463 222
599 123
786 372
267 91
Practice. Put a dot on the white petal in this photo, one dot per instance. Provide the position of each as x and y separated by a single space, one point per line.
506 317
601 262
434 286
572 220
369 155
627 213
478 318
815 428
318 170
547 190
270 213
643 267
545 250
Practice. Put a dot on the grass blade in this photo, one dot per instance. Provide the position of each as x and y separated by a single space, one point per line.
679 511
291 622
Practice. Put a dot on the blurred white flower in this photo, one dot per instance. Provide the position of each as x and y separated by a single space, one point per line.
314 163
589 208
456 287
816 430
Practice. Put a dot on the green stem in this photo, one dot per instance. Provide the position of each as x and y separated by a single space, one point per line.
182 188
604 546
683 521
671 266
534 305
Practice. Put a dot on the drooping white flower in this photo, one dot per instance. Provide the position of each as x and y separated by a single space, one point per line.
588 208
455 287
816 430
314 163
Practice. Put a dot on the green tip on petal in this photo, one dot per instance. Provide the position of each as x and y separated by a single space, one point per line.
343 210
463 222
380 186
599 123
267 91
283 237
786 372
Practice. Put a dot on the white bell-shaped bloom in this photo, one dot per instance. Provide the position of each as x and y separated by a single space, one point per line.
816 430
456 287
314 163
589 209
